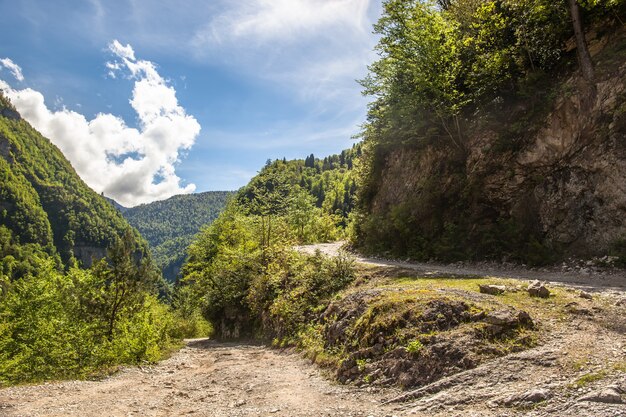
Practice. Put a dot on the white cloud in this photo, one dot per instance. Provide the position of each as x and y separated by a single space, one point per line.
315 48
13 67
285 20
131 165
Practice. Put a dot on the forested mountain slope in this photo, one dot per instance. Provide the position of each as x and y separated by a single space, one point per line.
44 202
486 140
78 290
169 225
328 184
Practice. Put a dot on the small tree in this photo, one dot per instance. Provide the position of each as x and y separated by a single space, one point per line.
122 281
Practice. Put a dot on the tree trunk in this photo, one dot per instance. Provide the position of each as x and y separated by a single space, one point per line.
584 58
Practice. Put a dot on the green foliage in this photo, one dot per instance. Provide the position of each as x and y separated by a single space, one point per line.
296 292
315 195
446 69
61 325
57 320
42 199
169 225
242 269
189 322
120 282
414 346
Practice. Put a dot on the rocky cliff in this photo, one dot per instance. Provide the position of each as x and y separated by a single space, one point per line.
545 179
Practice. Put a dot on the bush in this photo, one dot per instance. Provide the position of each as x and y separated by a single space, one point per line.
55 325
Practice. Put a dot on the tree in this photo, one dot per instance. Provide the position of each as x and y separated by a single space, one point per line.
301 213
584 58
416 79
122 281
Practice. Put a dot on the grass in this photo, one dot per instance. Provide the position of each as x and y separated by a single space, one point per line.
405 309
542 308
589 378
414 346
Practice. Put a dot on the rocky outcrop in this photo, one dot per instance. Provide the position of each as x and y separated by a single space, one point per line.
88 254
412 338
10 114
561 179
537 289
5 149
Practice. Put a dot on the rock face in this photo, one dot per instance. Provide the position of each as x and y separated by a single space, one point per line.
561 179
10 114
5 149
87 254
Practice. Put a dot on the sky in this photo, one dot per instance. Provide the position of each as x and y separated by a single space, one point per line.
149 99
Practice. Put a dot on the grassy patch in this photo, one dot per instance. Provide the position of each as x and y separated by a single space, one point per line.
589 378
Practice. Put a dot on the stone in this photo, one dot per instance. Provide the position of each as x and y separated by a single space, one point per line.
501 318
575 308
537 289
585 295
492 289
529 397
608 395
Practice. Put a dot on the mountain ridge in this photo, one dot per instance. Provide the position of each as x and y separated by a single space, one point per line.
43 201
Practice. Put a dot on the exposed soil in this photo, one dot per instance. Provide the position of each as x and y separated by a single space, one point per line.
203 379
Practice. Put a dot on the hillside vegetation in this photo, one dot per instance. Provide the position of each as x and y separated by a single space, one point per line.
44 202
495 132
170 225
236 264
78 291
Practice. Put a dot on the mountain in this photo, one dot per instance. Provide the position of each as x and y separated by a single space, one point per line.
44 202
170 225
329 182
117 205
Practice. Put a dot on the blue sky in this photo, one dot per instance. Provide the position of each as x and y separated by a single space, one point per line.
242 81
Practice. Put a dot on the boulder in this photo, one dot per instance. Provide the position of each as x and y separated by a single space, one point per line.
492 289
538 289
609 395
529 397
501 321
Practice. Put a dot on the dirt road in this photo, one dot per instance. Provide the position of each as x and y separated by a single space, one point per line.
606 280
203 379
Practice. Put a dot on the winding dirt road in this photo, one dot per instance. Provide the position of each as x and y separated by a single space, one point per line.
605 281
208 378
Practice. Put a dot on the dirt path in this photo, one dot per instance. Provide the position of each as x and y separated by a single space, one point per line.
605 281
203 379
